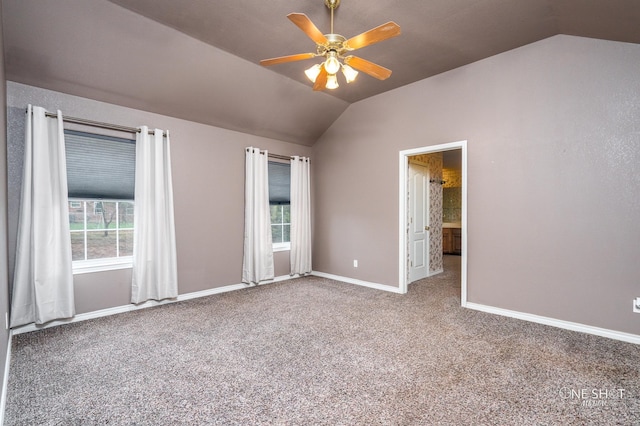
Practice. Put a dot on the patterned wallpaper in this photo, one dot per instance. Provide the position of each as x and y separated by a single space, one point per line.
452 178
452 195
433 162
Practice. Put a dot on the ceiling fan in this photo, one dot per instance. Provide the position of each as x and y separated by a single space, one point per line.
333 47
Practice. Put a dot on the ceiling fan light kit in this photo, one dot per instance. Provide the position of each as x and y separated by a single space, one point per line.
333 48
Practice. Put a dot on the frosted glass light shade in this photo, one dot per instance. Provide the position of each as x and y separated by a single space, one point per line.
332 65
349 73
312 73
332 82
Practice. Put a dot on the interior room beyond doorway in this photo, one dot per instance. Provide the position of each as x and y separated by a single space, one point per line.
444 223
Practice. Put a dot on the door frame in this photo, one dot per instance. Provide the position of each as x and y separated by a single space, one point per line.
403 159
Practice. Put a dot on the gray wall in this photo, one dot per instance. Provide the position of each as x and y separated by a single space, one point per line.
208 184
4 286
553 136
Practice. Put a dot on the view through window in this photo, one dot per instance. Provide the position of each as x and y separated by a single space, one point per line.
280 223
101 229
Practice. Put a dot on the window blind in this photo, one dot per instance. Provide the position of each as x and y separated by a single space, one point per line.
279 183
100 166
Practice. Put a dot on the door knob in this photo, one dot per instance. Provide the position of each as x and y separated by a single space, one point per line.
426 228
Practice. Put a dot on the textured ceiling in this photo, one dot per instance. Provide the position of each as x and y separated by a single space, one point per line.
210 73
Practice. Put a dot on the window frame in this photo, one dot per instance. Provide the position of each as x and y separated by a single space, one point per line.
286 245
279 199
85 266
94 194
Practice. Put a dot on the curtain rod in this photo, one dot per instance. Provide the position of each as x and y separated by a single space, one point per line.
281 157
278 156
99 124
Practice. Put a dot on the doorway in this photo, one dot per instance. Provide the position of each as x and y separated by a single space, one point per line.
405 207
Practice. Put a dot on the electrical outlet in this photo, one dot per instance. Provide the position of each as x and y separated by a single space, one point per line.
355 263
636 305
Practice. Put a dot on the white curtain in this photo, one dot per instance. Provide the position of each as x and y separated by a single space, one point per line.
257 263
300 216
43 283
154 242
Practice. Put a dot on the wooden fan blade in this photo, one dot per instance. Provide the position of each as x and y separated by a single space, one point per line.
321 80
290 58
375 35
374 70
304 23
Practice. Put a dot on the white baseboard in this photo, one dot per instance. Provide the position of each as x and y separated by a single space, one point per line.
432 273
567 325
376 286
5 380
149 304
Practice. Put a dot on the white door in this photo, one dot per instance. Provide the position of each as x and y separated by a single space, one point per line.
418 222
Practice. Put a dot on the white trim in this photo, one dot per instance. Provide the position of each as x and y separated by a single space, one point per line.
403 166
149 304
281 246
100 265
5 379
439 271
430 274
567 325
383 287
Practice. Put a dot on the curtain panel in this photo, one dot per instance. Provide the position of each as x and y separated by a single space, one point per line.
257 262
300 255
155 273
43 279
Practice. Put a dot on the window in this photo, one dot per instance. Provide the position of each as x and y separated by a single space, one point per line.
100 179
280 225
279 202
101 230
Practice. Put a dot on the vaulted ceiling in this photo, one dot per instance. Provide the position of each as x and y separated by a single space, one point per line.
199 60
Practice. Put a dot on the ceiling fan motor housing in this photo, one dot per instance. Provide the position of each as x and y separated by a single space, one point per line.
335 42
